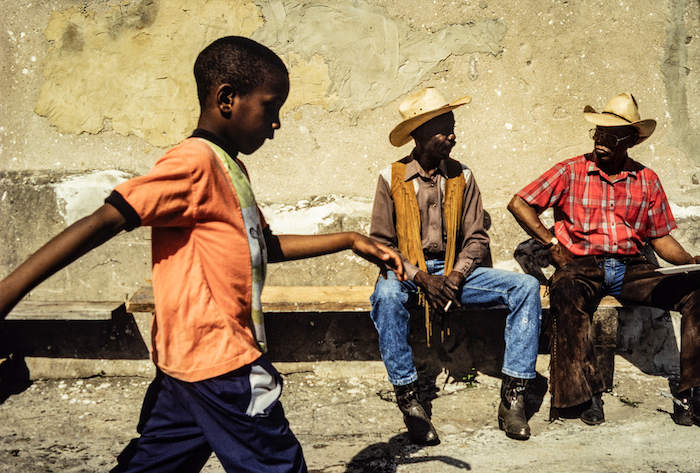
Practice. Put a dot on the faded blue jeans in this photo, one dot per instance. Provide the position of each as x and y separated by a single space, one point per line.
485 287
614 274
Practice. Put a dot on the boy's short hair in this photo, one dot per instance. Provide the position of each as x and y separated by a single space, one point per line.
239 61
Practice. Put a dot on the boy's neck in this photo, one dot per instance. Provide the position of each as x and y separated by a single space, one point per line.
210 121
217 140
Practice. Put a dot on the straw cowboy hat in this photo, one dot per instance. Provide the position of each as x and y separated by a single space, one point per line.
621 110
417 109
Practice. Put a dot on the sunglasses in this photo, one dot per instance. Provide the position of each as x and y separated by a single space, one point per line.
607 138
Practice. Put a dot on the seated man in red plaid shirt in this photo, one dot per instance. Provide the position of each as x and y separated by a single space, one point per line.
606 206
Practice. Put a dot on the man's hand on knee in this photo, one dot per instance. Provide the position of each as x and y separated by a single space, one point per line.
438 289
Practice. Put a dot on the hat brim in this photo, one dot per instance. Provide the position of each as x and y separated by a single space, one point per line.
644 127
401 135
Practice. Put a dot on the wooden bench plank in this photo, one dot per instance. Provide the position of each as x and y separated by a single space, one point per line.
286 299
606 302
52 310
141 301
314 299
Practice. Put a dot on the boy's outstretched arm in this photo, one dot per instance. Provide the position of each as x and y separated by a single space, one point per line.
292 247
66 247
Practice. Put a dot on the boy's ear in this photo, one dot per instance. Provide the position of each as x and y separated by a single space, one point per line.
225 95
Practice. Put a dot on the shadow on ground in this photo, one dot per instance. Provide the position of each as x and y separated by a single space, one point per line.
386 457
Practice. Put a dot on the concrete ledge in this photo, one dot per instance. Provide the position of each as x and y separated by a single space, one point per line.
66 368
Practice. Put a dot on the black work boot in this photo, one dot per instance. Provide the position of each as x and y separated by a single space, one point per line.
511 411
417 422
686 407
594 415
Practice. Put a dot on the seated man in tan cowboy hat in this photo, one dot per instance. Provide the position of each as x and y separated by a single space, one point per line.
606 206
428 206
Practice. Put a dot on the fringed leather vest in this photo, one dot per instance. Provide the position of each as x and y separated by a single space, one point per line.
408 225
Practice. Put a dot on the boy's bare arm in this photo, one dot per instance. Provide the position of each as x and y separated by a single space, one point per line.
66 247
292 247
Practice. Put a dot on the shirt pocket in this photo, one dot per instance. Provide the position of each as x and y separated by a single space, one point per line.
633 211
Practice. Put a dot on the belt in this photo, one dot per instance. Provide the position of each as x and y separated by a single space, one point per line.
434 255
624 259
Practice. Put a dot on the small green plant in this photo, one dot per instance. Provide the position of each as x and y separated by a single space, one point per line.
629 402
470 379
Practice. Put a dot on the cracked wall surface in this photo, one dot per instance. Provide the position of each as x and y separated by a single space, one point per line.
130 63
680 69
114 65
94 92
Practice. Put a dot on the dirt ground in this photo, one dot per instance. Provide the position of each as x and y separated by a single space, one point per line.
346 419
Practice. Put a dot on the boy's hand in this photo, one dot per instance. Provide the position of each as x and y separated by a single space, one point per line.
379 254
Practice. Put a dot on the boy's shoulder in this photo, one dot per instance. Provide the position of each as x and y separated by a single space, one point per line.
192 152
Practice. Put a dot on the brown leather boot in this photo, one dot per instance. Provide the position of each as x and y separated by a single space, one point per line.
511 411
594 415
417 422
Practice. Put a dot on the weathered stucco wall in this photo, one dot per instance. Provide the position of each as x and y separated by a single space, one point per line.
94 92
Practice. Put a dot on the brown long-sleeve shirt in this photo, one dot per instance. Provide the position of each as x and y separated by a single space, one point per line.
472 242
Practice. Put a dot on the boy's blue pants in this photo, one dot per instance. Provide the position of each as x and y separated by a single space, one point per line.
238 416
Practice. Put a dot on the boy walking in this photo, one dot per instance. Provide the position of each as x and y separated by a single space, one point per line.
214 390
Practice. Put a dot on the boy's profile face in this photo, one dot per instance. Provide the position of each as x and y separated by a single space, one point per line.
255 116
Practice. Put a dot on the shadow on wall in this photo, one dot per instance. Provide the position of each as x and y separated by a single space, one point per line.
116 339
474 342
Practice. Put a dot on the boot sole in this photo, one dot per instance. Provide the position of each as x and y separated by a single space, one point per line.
683 419
426 443
592 422
502 426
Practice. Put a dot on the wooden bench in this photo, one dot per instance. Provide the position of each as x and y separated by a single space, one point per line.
282 299
348 299
69 339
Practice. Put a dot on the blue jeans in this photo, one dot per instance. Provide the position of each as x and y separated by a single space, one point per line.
614 274
485 287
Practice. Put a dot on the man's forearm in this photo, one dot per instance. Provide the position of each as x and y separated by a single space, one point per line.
670 250
528 219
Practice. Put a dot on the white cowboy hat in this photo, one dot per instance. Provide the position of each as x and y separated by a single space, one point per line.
621 110
419 108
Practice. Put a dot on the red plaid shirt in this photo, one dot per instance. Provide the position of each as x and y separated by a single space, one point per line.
594 215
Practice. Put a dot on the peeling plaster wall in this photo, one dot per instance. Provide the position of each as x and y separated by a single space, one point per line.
94 92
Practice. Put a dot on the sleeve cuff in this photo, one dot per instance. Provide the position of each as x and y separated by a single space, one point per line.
410 270
464 267
116 200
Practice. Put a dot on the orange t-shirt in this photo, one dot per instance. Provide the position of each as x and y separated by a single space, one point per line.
202 276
